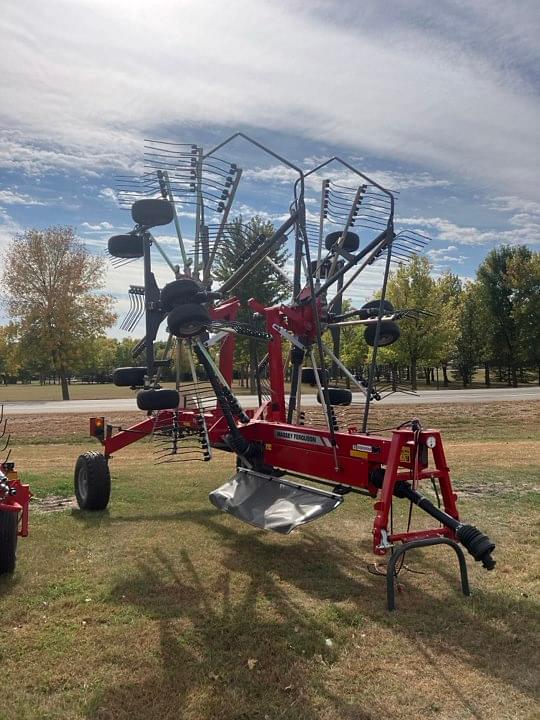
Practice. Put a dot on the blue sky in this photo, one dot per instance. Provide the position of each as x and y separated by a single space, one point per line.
440 101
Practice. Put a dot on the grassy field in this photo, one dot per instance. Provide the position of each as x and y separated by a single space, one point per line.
162 607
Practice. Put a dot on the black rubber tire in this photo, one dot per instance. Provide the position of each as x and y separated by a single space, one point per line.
338 396
126 246
179 292
8 540
388 308
151 212
308 376
389 333
188 320
129 376
158 399
351 244
92 481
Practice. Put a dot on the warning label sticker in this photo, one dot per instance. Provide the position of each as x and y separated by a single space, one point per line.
405 456
363 448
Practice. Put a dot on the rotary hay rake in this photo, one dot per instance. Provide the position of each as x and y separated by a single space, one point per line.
289 471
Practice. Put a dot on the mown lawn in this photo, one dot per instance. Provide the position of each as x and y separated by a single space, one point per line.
161 607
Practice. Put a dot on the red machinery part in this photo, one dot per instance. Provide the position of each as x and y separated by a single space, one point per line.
18 502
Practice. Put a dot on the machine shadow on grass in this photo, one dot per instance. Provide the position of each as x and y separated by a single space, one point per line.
221 628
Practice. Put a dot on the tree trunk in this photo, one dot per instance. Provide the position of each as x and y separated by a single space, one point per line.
514 377
64 383
487 379
446 381
413 375
427 373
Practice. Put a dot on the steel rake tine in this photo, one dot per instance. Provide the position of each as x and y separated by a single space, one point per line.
139 310
127 320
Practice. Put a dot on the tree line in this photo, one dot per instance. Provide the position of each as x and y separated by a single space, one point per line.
491 323
52 291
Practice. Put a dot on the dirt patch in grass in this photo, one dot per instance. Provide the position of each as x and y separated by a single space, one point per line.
66 427
53 503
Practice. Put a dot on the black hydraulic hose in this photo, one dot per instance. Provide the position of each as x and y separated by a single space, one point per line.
239 443
478 544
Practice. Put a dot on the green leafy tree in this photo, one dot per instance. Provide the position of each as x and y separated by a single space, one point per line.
124 352
96 362
448 292
523 271
423 338
50 281
470 341
353 348
510 314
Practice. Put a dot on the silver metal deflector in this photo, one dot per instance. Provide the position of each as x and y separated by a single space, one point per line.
272 503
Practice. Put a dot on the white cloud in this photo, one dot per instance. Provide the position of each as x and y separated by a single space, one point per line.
13 197
442 256
109 194
512 204
107 73
99 227
448 231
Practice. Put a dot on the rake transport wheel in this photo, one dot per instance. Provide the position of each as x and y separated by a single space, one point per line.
188 320
92 481
126 246
8 540
337 396
389 333
308 376
375 304
129 376
351 243
158 399
179 292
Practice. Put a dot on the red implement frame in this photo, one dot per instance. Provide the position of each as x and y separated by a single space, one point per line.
361 459
18 502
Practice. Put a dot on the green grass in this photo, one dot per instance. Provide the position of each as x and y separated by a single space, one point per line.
162 607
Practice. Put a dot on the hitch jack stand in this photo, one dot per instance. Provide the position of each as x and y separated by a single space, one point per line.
397 553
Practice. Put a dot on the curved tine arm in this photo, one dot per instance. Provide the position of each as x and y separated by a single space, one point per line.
350 167
273 154
262 147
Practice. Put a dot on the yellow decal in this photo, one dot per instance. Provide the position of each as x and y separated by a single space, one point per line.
405 456
268 446
358 453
